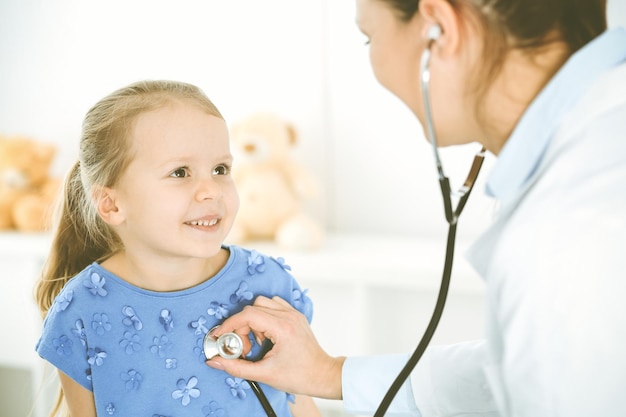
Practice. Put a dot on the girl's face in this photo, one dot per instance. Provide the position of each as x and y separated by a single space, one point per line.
177 196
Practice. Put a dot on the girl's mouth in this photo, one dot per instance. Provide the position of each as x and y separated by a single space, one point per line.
205 223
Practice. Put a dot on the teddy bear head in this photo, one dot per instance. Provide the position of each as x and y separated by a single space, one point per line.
26 189
262 137
24 163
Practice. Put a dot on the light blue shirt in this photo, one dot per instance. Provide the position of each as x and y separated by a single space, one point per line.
529 141
141 352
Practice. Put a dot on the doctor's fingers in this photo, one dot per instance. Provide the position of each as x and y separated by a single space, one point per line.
266 371
274 303
266 318
292 366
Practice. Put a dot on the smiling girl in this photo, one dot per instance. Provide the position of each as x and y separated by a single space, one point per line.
138 272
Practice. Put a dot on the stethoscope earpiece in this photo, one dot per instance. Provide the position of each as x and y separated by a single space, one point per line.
434 32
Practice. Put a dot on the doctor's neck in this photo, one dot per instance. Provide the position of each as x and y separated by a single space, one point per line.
521 79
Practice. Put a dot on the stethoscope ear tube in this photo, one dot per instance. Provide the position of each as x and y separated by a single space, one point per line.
430 330
452 216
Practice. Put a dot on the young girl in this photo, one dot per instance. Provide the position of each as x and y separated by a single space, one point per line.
138 272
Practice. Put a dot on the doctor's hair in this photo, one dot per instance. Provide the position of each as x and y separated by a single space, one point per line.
527 25
80 236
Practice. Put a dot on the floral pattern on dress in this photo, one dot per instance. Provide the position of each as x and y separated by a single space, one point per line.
241 294
63 300
132 379
63 345
130 343
161 346
131 319
302 302
199 349
199 326
217 310
95 284
166 320
281 262
256 262
213 410
95 356
237 387
148 325
79 331
186 390
100 323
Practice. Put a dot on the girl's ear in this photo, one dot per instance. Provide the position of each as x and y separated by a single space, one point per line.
106 204
443 14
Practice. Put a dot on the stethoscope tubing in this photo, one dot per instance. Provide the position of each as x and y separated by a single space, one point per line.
267 407
452 215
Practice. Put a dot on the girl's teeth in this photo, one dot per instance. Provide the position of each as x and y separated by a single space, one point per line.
205 223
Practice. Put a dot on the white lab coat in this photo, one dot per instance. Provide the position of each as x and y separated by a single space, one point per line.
554 265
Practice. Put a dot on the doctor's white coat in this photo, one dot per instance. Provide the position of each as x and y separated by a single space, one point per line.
554 265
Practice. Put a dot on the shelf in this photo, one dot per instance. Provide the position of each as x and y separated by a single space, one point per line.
370 260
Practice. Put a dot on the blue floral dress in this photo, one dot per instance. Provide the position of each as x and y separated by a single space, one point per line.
141 352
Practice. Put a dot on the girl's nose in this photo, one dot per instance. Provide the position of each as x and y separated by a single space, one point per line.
208 189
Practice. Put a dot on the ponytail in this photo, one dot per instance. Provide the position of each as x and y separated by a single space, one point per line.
73 247
72 250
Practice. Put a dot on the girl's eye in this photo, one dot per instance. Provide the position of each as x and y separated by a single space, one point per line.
221 170
180 173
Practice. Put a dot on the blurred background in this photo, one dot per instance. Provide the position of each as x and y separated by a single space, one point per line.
303 60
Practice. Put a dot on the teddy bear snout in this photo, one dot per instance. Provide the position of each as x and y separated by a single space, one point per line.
14 179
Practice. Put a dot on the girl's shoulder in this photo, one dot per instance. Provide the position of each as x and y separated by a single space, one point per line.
257 261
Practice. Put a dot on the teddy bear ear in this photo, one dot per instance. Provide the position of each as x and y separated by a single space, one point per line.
45 152
293 134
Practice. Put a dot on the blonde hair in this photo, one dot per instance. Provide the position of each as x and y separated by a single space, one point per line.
80 237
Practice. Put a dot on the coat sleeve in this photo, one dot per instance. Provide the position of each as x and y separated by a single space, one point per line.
448 381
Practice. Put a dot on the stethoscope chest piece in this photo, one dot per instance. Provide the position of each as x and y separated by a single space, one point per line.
228 345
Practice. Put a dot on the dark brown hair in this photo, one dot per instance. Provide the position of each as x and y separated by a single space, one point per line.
527 23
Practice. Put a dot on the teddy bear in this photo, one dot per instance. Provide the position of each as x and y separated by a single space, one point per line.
27 190
272 185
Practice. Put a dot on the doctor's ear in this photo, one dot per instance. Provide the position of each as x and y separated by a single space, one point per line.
441 24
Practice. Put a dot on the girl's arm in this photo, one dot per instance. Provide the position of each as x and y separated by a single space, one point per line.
304 407
79 400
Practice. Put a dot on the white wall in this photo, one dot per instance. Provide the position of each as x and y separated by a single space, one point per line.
304 60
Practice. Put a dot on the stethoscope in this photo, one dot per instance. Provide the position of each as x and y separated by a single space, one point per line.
452 216
230 346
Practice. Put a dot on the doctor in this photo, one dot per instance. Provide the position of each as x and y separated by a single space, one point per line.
541 84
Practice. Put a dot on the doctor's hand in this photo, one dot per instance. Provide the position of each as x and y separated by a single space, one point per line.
296 364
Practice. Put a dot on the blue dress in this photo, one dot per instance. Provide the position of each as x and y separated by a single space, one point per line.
141 352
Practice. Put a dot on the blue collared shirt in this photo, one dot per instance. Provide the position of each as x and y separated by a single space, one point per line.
525 148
